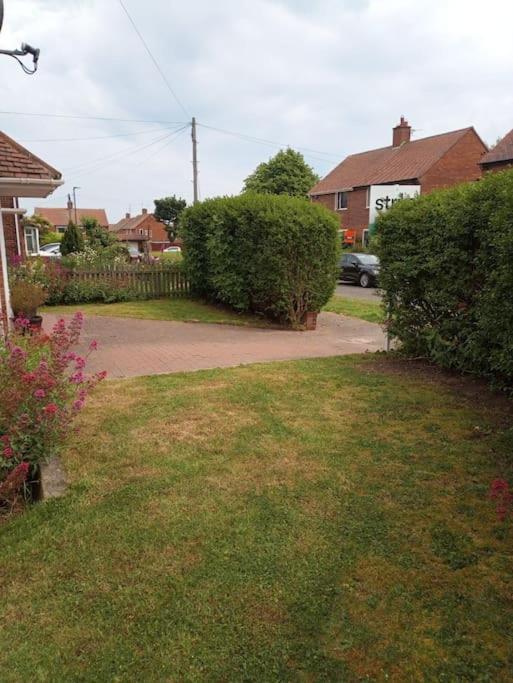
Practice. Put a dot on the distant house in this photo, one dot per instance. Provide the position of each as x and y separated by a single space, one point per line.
59 218
143 228
371 181
500 157
22 174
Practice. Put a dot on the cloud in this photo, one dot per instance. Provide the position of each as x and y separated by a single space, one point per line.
331 75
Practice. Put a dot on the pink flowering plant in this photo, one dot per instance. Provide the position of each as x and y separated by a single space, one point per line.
43 387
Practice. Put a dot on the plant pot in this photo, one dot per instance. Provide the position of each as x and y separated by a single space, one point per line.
36 322
310 320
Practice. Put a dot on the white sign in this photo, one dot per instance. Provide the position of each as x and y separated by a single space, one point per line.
382 197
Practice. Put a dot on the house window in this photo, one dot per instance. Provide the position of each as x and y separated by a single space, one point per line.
31 241
341 201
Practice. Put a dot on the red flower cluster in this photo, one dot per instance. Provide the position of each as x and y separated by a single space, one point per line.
44 385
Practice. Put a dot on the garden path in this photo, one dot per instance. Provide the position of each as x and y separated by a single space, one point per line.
130 348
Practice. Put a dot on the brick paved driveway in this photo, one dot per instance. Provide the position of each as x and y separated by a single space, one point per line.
128 347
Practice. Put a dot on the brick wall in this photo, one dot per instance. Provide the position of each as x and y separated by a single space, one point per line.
459 165
497 166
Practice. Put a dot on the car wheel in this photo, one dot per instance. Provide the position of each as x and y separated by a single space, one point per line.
365 280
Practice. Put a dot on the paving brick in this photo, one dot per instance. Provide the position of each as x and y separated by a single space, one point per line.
131 348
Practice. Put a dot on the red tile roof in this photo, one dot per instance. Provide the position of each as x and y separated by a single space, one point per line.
389 164
503 151
61 216
128 223
18 162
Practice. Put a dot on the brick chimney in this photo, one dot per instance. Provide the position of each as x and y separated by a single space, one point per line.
401 133
127 215
144 212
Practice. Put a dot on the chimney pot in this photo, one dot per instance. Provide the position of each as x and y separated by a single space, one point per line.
145 211
127 215
401 133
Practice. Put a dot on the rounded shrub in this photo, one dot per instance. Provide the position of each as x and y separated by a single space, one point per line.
267 254
447 276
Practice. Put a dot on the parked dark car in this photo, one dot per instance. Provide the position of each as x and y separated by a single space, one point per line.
360 268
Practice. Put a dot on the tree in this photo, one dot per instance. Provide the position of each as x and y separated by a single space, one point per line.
72 240
38 222
167 211
96 236
285 173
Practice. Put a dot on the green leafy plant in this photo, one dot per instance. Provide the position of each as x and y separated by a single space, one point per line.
72 240
168 211
285 173
272 255
50 238
447 277
26 297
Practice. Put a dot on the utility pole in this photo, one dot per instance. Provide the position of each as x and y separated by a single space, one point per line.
75 203
194 160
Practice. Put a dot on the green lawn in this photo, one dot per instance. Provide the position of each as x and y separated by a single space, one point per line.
187 310
190 310
321 520
371 311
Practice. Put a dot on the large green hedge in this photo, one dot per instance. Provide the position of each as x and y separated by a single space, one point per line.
447 275
274 255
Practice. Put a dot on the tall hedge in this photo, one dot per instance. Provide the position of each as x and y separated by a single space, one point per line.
447 275
273 255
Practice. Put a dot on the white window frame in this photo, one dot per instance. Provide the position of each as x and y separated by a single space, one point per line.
337 195
367 198
35 237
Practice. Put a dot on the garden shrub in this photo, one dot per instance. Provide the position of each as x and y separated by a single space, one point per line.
44 386
447 276
266 254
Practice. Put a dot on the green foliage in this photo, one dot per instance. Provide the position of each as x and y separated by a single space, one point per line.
103 291
285 173
96 236
271 255
72 240
168 211
40 223
446 268
50 238
97 257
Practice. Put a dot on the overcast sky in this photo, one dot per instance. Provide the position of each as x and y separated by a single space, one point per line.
332 76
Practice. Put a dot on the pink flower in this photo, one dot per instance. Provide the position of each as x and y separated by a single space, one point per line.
28 377
39 393
78 405
8 452
51 409
77 378
93 345
80 363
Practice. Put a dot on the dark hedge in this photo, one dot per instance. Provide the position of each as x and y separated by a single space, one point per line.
268 254
447 275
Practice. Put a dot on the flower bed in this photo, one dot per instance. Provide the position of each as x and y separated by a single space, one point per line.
44 386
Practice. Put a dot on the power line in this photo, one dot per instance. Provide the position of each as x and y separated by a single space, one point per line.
94 162
250 138
100 163
92 118
99 137
156 64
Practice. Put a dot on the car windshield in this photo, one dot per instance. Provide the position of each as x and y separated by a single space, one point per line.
50 247
368 259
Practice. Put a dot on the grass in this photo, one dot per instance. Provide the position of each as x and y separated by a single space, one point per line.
186 310
356 308
321 520
190 310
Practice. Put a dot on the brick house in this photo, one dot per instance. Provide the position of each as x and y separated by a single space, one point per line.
142 228
500 157
59 218
430 163
22 174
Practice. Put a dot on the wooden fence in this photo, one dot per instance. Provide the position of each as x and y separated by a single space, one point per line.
148 281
